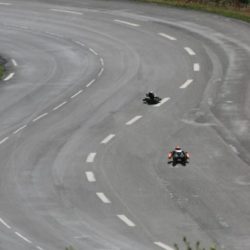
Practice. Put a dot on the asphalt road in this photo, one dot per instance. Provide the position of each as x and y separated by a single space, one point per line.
84 161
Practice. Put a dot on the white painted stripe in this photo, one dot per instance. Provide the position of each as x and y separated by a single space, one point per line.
39 248
167 36
108 138
101 71
9 76
128 23
39 117
90 176
103 198
22 237
90 83
126 220
102 61
76 94
80 43
196 67
91 157
4 223
162 245
14 62
19 129
185 84
93 51
162 101
189 51
67 11
59 106
133 120
4 140
7 4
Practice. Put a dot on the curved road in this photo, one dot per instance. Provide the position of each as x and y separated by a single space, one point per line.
83 161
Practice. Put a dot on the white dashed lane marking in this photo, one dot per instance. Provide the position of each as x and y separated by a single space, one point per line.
101 71
6 4
39 248
126 220
9 76
20 129
80 43
91 157
5 224
196 67
76 94
133 120
4 140
14 62
108 139
22 237
59 106
67 11
185 84
128 23
189 51
171 38
102 61
90 83
90 176
103 198
162 102
39 117
162 245
93 51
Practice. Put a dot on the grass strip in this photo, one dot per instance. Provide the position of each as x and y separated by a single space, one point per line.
243 14
2 70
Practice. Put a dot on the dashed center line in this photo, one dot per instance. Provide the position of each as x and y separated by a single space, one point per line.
102 61
4 223
103 198
93 51
76 94
22 237
128 23
59 106
185 84
108 139
196 67
162 245
126 220
39 117
90 83
133 120
162 102
14 62
101 71
19 129
9 76
189 51
91 157
4 140
90 176
67 11
167 36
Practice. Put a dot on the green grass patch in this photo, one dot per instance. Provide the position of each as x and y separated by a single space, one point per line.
2 71
228 11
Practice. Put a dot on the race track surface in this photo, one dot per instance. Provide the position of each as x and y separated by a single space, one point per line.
84 161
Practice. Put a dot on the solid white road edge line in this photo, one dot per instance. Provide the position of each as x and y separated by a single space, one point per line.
76 94
90 83
93 51
9 76
128 23
167 36
185 84
196 67
90 176
108 138
59 106
67 11
4 223
101 71
162 101
162 245
103 198
4 140
126 220
22 237
19 129
133 120
91 157
14 62
189 51
39 117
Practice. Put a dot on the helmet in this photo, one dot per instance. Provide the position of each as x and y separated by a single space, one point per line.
177 147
